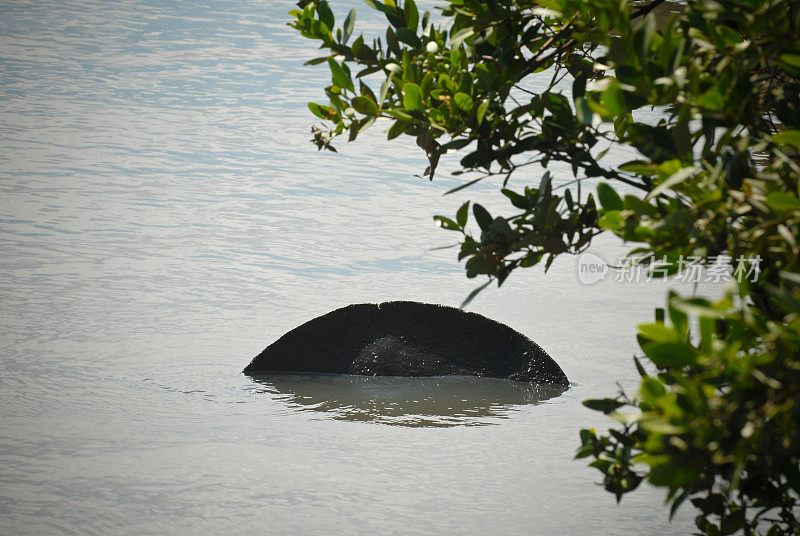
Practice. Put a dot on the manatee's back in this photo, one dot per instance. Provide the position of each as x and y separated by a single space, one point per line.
408 339
325 344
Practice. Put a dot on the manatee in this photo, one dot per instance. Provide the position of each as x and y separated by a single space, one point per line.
404 338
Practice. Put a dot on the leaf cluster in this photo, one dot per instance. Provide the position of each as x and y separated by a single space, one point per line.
715 420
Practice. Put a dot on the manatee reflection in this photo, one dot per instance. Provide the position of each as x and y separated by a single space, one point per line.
403 401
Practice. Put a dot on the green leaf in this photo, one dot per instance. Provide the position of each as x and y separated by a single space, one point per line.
462 214
375 5
613 99
457 38
393 14
349 23
791 59
317 61
707 330
455 145
385 89
652 388
782 201
579 86
463 101
317 110
647 30
606 405
681 134
696 307
482 216
678 318
671 354
626 440
661 426
640 168
446 223
365 105
673 180
359 126
625 417
368 70
474 293
412 15
545 187
412 97
519 201
791 62
409 37
609 199
358 46
733 522
639 206
789 137
400 114
392 44
640 368
501 227
397 128
339 76
583 111
711 100
611 220
325 14
427 83
367 91
482 111
677 503
659 332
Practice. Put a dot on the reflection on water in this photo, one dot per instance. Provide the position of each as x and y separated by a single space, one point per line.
430 401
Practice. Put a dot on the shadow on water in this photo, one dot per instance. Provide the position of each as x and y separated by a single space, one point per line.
435 401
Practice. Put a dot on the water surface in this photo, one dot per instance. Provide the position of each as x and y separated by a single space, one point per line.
163 218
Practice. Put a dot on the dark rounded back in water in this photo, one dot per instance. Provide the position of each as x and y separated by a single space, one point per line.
408 339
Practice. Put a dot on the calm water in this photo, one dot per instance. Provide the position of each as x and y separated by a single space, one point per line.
163 218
